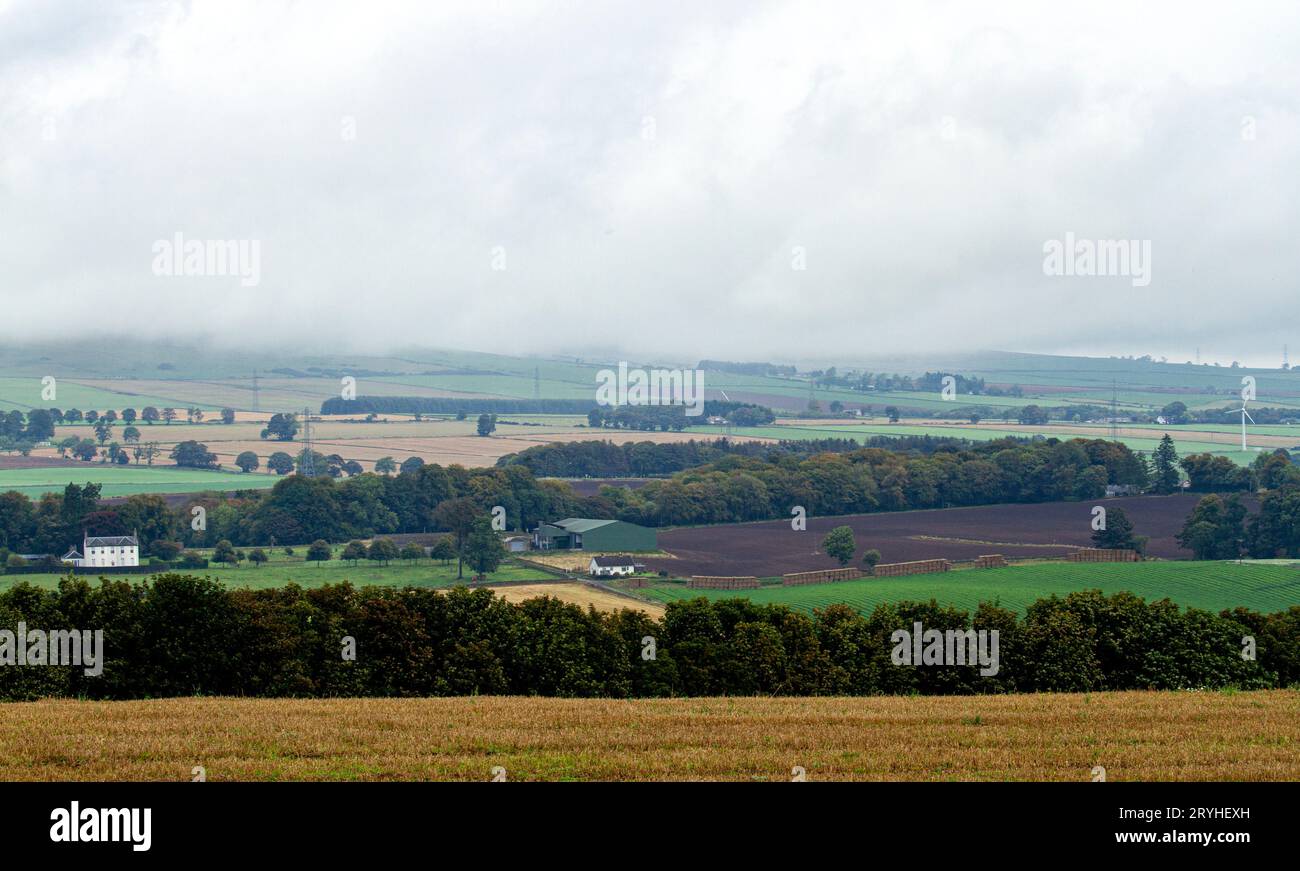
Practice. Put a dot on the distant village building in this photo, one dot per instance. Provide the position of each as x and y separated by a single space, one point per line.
612 566
105 551
1121 490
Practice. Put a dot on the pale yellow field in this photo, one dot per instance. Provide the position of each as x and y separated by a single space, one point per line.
435 441
577 594
1134 736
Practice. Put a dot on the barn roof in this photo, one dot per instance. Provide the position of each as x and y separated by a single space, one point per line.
581 524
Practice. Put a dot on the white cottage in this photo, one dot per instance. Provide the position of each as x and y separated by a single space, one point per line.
108 550
611 566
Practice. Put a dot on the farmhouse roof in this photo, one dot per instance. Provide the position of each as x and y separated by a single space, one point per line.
581 524
608 562
112 541
72 554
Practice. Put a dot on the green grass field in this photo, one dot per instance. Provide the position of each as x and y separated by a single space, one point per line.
127 480
25 393
1209 585
282 570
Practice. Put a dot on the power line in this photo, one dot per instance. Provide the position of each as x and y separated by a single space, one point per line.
1114 410
307 463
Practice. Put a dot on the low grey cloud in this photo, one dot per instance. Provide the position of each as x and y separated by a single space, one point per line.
730 180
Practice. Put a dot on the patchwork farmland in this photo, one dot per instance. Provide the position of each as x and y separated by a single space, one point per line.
444 441
1044 530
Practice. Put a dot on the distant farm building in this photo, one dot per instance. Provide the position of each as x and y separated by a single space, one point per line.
517 543
580 533
612 566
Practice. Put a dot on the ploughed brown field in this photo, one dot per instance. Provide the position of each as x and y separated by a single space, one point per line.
18 461
1134 736
1051 529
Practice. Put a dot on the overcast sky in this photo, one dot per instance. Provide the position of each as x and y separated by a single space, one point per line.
706 179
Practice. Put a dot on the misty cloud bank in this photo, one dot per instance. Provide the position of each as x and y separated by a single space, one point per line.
730 180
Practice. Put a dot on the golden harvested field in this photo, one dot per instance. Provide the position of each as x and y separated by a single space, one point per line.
1135 736
442 441
577 594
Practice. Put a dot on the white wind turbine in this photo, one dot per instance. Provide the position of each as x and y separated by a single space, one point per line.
1245 416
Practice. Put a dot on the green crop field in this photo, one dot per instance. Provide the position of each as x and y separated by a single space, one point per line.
25 393
284 569
127 480
1209 585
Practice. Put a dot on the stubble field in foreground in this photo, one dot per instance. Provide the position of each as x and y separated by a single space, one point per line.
1135 736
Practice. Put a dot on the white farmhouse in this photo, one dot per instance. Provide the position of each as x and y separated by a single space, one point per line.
100 551
610 566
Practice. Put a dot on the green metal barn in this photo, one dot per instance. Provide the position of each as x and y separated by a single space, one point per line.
580 533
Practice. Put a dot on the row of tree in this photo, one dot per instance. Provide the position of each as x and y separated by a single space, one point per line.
1215 473
22 432
179 635
602 459
149 415
296 510
872 479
